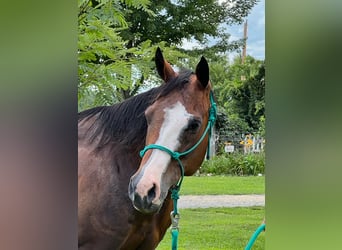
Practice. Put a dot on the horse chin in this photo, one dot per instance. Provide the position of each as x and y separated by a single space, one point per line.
152 209
141 204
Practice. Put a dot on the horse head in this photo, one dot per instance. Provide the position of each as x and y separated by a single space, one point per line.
176 121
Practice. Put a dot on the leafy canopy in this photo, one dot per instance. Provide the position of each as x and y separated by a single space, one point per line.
117 40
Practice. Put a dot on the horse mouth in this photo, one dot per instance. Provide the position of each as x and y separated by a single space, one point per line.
153 208
144 206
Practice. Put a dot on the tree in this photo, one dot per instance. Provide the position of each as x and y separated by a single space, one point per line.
245 93
240 91
249 99
176 21
103 65
117 40
184 19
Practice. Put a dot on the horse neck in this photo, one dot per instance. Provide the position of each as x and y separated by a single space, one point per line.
130 124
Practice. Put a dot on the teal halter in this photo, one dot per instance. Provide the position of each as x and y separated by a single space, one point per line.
176 155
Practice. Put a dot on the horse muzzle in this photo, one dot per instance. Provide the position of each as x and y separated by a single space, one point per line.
144 196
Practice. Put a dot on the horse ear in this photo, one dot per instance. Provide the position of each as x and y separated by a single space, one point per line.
202 72
163 67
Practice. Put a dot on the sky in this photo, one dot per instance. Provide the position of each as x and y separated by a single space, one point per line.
255 33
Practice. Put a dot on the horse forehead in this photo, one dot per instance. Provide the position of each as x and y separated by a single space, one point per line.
177 112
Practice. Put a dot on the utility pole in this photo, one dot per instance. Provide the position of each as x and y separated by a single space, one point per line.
245 42
243 78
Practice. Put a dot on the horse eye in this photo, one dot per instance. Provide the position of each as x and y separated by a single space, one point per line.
193 125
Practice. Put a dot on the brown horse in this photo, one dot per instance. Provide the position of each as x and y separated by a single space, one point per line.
124 200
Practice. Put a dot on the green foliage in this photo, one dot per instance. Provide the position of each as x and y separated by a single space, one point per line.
249 98
117 40
262 126
103 66
240 92
235 164
184 19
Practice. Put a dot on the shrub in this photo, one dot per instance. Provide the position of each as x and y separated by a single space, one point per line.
235 164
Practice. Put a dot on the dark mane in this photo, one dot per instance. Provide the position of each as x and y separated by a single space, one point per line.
125 122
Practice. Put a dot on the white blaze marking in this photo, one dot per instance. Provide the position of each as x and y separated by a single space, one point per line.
175 119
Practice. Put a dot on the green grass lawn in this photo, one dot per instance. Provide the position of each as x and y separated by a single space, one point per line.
217 228
193 185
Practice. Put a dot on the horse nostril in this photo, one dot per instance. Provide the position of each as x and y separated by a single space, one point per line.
151 194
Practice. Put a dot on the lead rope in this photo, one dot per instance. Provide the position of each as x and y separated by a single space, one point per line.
255 236
212 119
175 216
